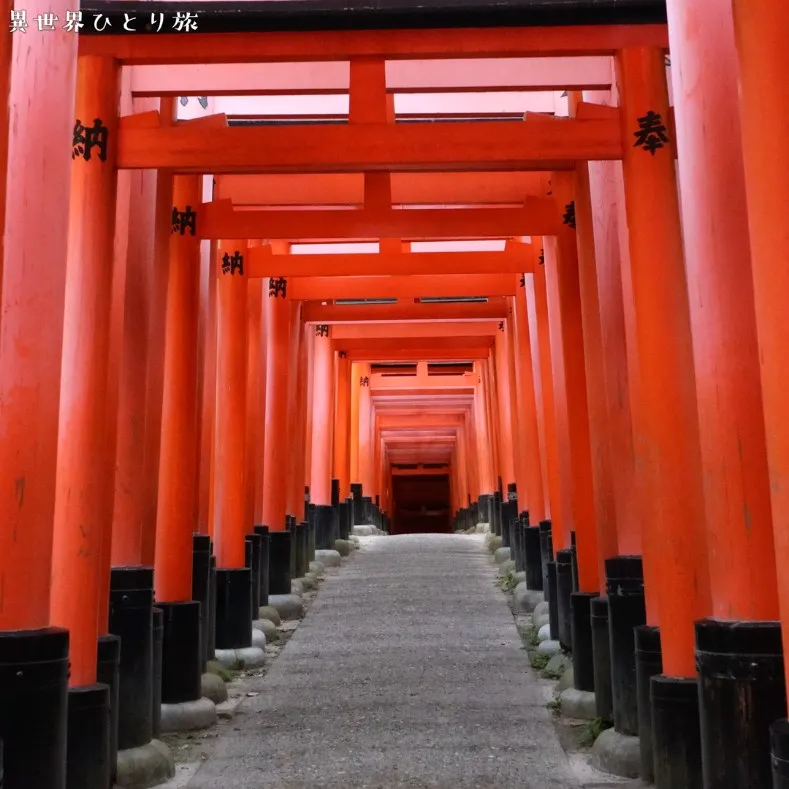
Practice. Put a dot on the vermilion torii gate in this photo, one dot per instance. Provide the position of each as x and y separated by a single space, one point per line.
174 360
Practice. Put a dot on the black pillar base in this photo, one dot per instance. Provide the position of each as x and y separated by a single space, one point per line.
131 619
324 521
345 520
497 513
107 673
358 505
304 537
262 532
33 707
564 588
211 644
201 585
601 652
516 536
574 561
335 506
279 562
546 555
306 501
649 662
290 527
676 736
626 611
298 548
532 558
158 648
583 652
181 664
253 563
553 604
484 510
367 510
233 608
88 740
741 694
779 750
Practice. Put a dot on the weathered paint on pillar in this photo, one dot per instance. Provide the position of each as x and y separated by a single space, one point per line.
322 416
157 304
532 498
763 61
129 499
231 393
177 477
665 420
722 312
342 432
83 472
506 422
297 470
276 435
365 429
618 340
40 106
208 278
254 400
600 461
537 300
564 301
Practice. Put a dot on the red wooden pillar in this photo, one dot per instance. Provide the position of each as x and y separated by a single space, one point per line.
322 417
665 418
737 487
365 430
231 386
342 413
177 478
83 471
764 99
276 436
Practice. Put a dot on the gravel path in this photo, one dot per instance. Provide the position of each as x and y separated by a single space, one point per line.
408 671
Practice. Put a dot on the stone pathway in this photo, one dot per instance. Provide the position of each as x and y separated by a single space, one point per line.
408 671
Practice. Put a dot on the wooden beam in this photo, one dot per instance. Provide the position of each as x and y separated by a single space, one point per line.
371 147
197 48
539 216
507 188
404 76
425 333
314 312
377 354
261 263
427 348
402 287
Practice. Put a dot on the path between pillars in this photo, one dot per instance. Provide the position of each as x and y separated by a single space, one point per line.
407 671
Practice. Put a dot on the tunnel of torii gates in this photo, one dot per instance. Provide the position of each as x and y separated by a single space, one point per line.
260 293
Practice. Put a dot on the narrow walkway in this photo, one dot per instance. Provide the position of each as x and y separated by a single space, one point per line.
407 672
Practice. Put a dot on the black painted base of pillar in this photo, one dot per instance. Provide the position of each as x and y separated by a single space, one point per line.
88 739
779 750
357 513
345 519
676 737
201 584
34 669
485 509
324 520
233 608
367 510
649 662
626 611
532 558
211 644
583 653
564 589
131 619
279 562
741 694
496 507
253 542
181 664
262 532
601 654
304 536
298 543
107 673
158 657
553 604
546 555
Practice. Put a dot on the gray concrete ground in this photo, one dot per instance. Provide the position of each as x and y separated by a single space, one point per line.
408 671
